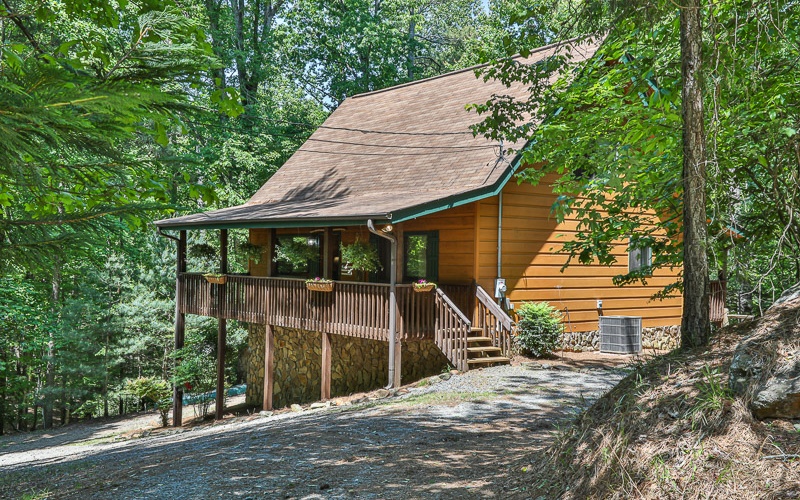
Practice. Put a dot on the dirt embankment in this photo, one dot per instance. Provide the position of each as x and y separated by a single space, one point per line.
672 429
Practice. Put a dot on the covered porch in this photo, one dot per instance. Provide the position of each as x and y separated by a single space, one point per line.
462 319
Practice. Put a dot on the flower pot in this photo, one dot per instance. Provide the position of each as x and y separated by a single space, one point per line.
216 279
424 288
321 286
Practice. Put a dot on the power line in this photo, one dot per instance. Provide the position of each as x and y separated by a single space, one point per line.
351 143
302 150
347 129
485 146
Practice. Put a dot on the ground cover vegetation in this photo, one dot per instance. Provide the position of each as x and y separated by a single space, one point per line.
114 114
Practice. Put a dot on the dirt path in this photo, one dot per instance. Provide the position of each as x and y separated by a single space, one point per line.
449 438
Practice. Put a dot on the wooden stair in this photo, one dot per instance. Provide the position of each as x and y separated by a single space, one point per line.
481 352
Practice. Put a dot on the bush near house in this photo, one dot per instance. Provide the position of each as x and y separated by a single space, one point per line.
538 328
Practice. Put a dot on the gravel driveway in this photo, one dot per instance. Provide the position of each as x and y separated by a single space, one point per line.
445 438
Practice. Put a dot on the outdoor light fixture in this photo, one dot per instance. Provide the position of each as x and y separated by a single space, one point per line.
387 229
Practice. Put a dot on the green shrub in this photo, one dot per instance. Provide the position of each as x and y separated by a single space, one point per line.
155 390
538 328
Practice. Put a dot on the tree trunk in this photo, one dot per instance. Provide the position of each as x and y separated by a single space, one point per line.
50 373
241 61
3 391
213 8
412 27
695 326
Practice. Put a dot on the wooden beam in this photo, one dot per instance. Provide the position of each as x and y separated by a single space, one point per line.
273 241
326 366
180 327
222 328
328 253
269 367
269 252
398 366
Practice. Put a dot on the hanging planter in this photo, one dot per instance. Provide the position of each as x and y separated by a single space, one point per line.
216 279
423 286
319 285
360 256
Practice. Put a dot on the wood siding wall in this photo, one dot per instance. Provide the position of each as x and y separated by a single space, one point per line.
532 265
456 241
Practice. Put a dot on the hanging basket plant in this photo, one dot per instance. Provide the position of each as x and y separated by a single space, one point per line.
215 278
251 252
202 251
295 251
423 286
319 285
360 256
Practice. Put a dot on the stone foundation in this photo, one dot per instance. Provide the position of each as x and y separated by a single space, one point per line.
357 365
658 337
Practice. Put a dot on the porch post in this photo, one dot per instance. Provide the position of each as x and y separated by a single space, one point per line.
326 366
180 327
397 363
269 349
328 253
393 340
222 329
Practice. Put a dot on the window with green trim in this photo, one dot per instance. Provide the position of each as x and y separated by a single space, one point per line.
421 255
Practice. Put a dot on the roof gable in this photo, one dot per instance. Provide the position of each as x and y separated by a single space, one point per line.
386 153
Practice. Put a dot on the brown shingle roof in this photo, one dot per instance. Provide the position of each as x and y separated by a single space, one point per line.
382 153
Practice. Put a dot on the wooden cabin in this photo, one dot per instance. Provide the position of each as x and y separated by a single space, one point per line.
398 169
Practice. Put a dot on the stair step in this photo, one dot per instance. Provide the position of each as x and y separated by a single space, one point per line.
486 361
483 349
478 339
476 329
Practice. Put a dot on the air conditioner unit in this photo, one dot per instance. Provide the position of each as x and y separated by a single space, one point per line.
621 334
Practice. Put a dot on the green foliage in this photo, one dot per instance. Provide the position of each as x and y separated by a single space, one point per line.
117 113
157 391
714 396
611 129
361 256
69 174
538 328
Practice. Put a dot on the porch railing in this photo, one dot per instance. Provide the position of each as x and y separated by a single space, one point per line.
452 330
494 322
352 309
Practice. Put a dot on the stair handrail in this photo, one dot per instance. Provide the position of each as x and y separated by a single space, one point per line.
504 325
489 303
457 354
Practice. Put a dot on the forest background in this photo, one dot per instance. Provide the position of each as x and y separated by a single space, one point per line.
114 114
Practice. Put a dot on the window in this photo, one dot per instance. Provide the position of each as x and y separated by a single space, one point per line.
421 256
639 259
298 255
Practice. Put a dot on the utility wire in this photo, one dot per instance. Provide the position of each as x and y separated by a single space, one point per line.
347 129
301 150
350 143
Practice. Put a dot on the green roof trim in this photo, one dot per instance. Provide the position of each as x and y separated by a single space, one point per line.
394 218
461 199
285 223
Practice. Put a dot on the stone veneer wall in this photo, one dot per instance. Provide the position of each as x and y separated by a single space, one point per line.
357 365
659 337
